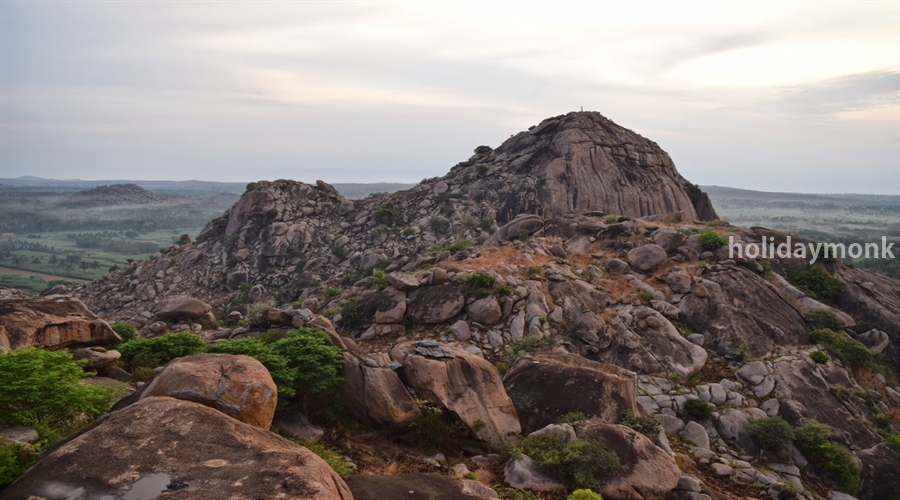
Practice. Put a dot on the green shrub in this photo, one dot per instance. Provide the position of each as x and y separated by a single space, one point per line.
813 439
788 489
386 214
522 347
572 418
15 459
332 292
439 224
251 186
648 426
436 429
350 317
821 318
330 456
340 252
125 331
645 296
483 150
470 476
771 434
816 282
524 234
453 248
819 357
697 408
613 219
158 351
579 463
42 389
281 373
507 493
258 314
316 361
503 290
485 223
477 284
852 352
711 240
583 494
534 269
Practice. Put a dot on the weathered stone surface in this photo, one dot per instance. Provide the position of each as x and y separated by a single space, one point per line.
465 384
183 307
739 308
546 387
485 310
205 454
646 470
646 257
96 357
54 323
526 224
696 434
238 386
565 431
417 487
435 304
291 423
880 473
376 393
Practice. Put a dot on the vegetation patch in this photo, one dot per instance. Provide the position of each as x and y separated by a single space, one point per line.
522 347
816 282
852 352
477 284
771 434
582 463
813 439
648 426
698 409
711 240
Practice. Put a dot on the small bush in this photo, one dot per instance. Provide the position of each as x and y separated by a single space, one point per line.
386 214
852 352
819 357
340 252
813 439
519 348
125 331
251 186
816 282
485 224
436 429
645 296
579 463
331 292
330 456
483 150
648 426
150 353
503 291
524 234
470 476
584 494
572 418
613 219
477 284
507 493
697 408
15 459
316 361
439 225
771 434
453 248
712 240
258 314
535 269
821 318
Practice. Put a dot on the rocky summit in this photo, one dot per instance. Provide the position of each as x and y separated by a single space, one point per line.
562 312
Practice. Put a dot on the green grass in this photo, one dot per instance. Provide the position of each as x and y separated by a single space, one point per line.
30 285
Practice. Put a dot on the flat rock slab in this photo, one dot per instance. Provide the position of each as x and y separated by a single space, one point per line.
417 487
188 450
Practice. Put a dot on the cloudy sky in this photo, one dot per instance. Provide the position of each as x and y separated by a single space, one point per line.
774 96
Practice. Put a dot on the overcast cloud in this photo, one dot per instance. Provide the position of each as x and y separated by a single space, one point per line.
773 96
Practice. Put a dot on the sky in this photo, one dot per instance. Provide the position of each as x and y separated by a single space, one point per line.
775 96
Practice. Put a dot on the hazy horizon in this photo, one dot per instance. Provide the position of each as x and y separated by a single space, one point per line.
787 97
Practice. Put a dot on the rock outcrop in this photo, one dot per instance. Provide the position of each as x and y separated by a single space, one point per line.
185 449
465 384
238 386
546 387
417 487
52 322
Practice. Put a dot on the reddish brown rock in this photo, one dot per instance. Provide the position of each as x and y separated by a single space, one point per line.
185 449
54 323
238 386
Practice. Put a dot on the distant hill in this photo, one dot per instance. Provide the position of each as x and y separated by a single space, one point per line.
116 194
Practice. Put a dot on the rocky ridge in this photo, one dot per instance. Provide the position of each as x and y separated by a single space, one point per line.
522 242
115 194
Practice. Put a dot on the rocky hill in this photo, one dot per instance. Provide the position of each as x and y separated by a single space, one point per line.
115 194
575 260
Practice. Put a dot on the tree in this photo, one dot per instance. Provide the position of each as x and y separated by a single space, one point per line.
316 360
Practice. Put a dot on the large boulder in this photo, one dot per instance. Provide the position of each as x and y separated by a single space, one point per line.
52 322
376 393
463 383
183 307
546 387
646 257
736 310
435 304
417 487
646 470
185 449
236 385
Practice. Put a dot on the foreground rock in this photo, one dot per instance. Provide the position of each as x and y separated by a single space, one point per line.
417 487
546 387
182 307
376 393
463 383
238 386
646 471
185 449
53 322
